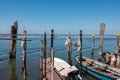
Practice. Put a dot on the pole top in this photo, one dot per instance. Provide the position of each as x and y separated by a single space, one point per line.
117 34
92 34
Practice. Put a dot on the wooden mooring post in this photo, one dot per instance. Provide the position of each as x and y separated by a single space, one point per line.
102 29
52 54
81 53
44 57
24 46
118 49
92 53
70 50
52 63
12 50
51 72
52 39
118 42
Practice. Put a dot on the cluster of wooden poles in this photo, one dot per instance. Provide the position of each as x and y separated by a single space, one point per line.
43 58
101 37
108 57
100 52
13 40
43 54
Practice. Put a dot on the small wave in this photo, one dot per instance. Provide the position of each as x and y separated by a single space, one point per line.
3 58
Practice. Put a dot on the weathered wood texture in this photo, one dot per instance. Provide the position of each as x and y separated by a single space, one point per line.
92 52
81 52
24 54
118 42
102 29
12 50
70 50
44 56
52 39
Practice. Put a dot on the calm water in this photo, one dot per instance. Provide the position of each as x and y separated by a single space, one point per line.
12 69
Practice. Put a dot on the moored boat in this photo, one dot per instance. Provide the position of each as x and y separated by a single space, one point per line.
98 69
67 71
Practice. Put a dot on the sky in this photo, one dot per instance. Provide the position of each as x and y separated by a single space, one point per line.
64 16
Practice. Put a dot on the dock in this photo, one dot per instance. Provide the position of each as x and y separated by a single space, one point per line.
48 71
56 75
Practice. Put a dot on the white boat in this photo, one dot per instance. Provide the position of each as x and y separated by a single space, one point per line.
67 71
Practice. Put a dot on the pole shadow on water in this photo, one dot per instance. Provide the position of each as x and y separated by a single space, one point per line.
12 69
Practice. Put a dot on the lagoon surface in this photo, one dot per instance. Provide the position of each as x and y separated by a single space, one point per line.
12 69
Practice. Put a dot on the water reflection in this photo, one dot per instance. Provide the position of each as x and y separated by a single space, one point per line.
92 55
12 69
24 72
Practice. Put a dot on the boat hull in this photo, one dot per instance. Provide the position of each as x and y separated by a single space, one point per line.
91 70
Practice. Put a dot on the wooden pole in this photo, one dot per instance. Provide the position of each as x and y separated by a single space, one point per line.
102 28
52 38
81 53
117 42
119 47
92 53
118 50
70 51
52 62
24 54
41 59
44 60
12 50
52 53
16 27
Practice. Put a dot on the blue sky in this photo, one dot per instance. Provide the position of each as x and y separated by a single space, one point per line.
64 16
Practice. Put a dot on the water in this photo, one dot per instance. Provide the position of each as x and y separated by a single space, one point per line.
12 69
